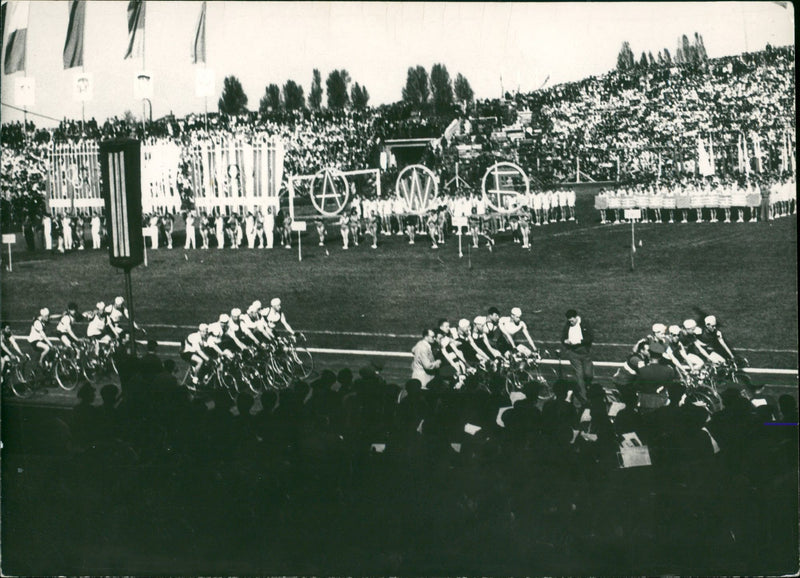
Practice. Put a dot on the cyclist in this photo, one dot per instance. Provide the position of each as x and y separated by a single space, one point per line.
119 305
691 343
480 337
681 346
494 334
113 317
510 326
198 348
447 352
714 344
65 325
472 354
225 336
37 336
97 330
639 357
248 325
452 340
274 315
9 350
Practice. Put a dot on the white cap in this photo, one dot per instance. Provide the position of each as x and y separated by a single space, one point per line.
203 327
710 320
674 330
44 312
275 302
659 328
689 324
236 312
119 301
256 304
479 320
224 318
463 324
100 306
516 312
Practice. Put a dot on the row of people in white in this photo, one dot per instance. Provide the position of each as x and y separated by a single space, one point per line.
66 232
233 333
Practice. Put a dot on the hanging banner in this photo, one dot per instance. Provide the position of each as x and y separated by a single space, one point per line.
143 85
204 86
83 87
25 91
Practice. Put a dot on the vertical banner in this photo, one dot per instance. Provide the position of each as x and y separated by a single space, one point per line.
199 40
16 39
120 164
136 11
73 45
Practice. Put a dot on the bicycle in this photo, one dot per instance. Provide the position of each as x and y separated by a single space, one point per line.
60 368
732 372
17 374
100 363
522 371
701 389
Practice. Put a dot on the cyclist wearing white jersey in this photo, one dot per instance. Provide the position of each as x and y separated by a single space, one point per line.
198 348
512 325
274 315
65 326
37 336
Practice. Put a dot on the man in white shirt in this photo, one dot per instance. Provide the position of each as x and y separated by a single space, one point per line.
47 226
424 364
37 336
95 226
190 231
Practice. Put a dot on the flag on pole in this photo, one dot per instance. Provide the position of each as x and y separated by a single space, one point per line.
17 26
136 9
73 45
199 41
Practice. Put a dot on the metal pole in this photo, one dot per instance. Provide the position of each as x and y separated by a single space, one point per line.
129 298
10 268
205 100
460 234
299 247
633 244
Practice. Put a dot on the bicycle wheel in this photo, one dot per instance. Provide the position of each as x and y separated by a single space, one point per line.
742 378
228 381
545 377
90 367
22 389
67 373
304 362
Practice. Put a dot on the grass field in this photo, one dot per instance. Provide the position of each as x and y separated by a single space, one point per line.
745 274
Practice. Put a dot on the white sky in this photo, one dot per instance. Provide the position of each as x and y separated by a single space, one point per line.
270 42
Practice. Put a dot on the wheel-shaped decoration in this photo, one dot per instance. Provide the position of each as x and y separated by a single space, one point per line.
502 184
418 187
329 191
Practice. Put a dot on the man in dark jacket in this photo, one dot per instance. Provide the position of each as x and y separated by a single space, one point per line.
577 336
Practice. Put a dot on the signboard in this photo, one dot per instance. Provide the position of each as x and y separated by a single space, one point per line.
143 85
418 186
460 222
9 238
120 165
204 85
25 91
502 185
83 87
299 226
633 213
329 192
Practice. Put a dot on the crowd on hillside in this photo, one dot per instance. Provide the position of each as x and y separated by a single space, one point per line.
349 473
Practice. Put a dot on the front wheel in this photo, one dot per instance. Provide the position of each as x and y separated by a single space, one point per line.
67 374
305 363
546 377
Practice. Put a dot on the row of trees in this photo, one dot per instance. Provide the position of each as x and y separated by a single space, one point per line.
437 92
292 97
688 53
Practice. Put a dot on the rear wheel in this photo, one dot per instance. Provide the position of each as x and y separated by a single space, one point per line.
305 363
67 373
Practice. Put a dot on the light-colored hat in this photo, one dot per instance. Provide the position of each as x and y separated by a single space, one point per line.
236 312
119 301
463 324
275 302
256 304
710 320
516 312
203 327
44 312
224 318
479 320
100 306
659 328
689 324
674 330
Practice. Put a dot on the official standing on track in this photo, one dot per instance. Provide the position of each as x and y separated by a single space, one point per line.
577 336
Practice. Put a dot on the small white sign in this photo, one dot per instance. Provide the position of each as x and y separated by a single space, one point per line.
633 213
204 85
298 226
25 91
83 87
9 238
143 85
460 221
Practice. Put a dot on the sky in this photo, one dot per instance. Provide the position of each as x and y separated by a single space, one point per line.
496 46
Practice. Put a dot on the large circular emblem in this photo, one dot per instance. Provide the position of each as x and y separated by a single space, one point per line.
418 187
502 185
329 191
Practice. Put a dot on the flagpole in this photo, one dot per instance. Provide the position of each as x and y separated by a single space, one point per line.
144 44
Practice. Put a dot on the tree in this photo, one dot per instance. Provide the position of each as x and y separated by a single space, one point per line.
359 96
271 101
661 58
650 60
233 100
315 96
293 97
441 88
463 90
625 58
700 48
643 61
416 90
689 52
667 57
337 89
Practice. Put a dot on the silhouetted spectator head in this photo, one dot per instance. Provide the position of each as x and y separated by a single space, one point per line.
169 365
86 394
244 403
788 407
110 395
675 390
345 377
561 389
152 344
327 378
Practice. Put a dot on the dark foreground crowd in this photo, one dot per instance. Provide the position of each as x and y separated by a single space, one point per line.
350 474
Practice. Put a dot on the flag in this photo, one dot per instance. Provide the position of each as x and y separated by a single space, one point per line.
135 28
17 26
73 45
199 42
